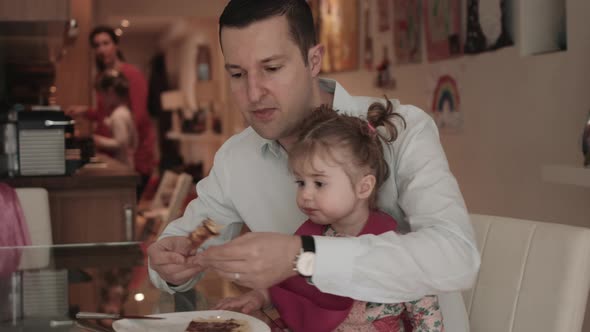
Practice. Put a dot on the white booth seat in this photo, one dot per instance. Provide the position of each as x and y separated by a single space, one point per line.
167 204
35 205
534 276
44 291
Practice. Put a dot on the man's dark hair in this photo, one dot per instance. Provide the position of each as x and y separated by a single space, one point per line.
241 13
109 31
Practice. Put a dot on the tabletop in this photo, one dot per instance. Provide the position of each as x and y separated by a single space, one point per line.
43 287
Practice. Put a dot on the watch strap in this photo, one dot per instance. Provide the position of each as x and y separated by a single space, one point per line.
307 243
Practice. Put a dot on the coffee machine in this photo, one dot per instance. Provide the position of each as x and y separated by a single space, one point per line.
40 141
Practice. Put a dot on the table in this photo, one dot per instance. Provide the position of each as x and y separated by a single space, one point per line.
42 287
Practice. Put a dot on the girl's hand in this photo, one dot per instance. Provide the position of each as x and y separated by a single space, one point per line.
251 301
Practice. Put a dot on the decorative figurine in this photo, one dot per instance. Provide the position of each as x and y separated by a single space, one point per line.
586 142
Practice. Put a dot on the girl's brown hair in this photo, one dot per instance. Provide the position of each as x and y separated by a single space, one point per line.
115 80
326 130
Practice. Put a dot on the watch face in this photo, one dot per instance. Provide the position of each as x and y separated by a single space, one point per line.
305 263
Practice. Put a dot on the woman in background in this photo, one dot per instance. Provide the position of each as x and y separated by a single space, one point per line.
108 57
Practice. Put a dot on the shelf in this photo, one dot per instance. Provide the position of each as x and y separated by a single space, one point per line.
543 26
564 174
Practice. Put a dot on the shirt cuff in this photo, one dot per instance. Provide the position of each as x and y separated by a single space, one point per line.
161 284
184 287
334 263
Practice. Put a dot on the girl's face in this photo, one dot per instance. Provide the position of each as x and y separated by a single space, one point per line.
110 99
326 193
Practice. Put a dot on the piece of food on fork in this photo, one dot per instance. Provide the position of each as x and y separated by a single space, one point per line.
207 229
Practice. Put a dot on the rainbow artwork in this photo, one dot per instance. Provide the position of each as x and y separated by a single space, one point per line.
446 104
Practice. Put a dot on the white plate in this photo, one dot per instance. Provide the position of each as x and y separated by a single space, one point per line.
178 321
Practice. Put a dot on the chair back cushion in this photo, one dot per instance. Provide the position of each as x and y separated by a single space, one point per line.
534 276
35 206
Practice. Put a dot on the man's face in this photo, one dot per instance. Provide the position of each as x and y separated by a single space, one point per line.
269 81
105 49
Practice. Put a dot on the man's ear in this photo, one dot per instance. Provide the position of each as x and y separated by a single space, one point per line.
314 59
365 186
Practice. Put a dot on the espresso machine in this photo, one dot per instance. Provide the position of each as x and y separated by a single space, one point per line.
40 141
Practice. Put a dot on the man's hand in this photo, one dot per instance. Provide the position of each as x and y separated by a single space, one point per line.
245 303
254 260
170 258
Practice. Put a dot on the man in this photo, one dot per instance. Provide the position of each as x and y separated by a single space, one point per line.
273 61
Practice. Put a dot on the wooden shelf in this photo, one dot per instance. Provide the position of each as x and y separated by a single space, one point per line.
565 174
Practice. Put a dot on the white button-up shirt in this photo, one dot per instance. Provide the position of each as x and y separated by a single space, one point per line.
250 183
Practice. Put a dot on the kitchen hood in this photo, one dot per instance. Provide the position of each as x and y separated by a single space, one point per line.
35 42
33 37
35 31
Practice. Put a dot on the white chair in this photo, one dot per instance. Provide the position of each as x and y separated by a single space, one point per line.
35 205
534 276
44 291
167 203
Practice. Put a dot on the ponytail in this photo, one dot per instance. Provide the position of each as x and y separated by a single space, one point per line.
380 115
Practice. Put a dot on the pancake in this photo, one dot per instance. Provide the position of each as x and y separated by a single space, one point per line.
218 325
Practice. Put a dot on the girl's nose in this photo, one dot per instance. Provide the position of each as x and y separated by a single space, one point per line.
306 193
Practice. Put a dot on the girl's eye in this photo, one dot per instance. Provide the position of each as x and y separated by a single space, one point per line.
319 184
299 183
236 75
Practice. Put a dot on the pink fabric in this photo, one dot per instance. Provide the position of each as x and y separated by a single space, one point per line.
13 230
302 306
357 321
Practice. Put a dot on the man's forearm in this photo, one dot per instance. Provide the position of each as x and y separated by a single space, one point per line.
393 268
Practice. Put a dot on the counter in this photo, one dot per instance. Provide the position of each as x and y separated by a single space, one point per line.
96 204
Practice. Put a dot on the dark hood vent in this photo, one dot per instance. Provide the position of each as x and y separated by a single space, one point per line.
35 42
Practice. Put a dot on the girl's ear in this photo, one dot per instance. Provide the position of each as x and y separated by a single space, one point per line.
365 186
314 59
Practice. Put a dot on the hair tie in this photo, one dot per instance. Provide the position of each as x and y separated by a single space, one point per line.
371 128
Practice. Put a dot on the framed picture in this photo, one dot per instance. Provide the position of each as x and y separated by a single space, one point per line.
383 10
337 26
407 31
442 22
489 25
446 105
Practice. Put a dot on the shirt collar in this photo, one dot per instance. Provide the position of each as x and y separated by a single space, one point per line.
342 101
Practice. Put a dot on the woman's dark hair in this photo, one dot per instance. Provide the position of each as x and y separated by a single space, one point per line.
326 130
112 79
109 31
241 13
